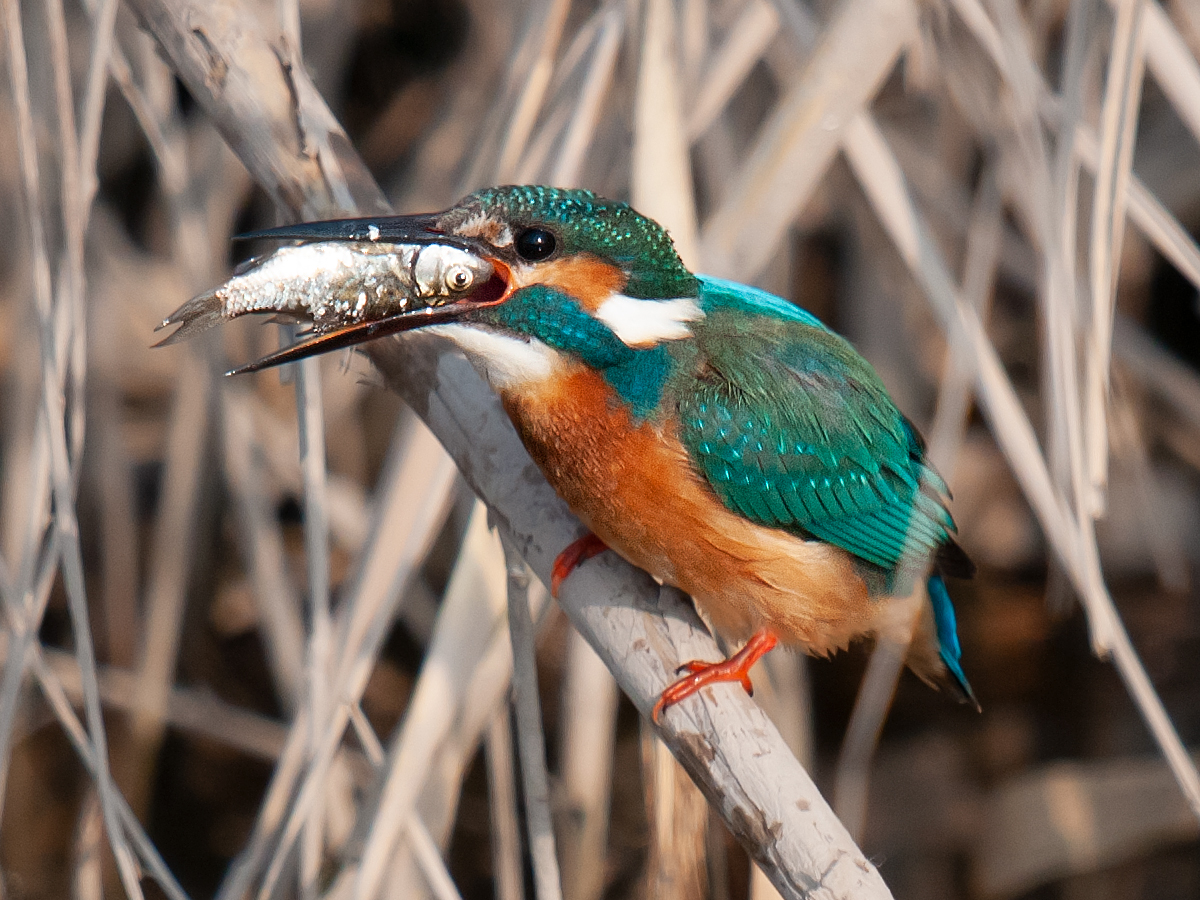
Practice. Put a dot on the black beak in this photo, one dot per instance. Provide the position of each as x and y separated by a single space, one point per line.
419 229
362 332
489 295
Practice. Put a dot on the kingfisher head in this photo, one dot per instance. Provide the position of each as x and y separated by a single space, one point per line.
577 278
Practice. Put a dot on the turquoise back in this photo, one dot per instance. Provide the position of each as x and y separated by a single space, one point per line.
793 429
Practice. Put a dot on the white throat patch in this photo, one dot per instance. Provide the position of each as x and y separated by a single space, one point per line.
645 323
506 361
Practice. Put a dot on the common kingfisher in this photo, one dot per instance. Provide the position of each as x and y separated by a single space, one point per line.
715 435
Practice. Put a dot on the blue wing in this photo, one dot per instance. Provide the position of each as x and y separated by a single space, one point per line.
793 429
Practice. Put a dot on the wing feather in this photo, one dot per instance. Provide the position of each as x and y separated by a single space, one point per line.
793 429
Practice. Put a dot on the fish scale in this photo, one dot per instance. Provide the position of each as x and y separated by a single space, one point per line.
334 284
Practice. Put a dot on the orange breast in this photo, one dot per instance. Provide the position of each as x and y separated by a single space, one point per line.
634 486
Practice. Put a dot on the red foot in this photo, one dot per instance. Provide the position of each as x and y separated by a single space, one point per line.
577 553
736 668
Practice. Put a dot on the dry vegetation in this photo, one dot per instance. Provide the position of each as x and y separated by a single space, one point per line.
256 631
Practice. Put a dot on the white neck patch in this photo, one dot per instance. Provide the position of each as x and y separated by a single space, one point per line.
506 361
645 323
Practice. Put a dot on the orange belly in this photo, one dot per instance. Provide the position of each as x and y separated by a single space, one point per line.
634 486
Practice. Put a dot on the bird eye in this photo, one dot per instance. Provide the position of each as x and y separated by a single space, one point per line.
459 278
535 243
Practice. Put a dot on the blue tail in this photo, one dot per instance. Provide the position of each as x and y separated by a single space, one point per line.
947 636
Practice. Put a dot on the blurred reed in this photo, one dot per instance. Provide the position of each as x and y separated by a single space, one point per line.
201 576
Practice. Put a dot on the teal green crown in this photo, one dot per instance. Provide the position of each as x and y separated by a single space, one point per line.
585 223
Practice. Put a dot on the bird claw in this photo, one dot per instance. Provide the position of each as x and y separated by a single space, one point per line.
576 554
701 674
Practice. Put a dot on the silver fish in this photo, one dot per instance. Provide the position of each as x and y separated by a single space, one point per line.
335 283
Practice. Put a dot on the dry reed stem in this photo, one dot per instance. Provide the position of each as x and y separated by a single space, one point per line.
1107 632
104 20
262 542
568 121
1054 820
1174 68
88 851
120 544
589 707
25 605
1118 133
580 130
131 828
173 544
794 148
171 553
25 596
419 493
984 233
661 168
1163 230
1158 369
430 859
191 710
748 39
871 704
1072 538
486 694
57 322
415 488
470 620
439 734
531 739
544 31
676 867
509 872
316 538
1165 543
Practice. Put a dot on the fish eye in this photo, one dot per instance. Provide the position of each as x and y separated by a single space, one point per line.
459 278
534 244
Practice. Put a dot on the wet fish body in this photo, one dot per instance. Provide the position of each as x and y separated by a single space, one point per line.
336 283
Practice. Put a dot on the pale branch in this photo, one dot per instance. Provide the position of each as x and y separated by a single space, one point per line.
531 736
264 105
724 740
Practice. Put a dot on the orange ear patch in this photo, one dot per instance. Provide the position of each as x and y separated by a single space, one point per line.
587 278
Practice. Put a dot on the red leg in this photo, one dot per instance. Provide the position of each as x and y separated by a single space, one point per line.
736 668
577 553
